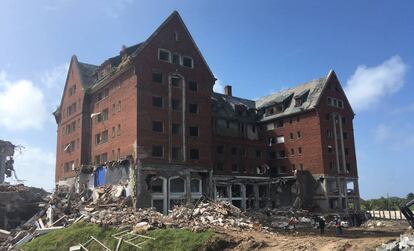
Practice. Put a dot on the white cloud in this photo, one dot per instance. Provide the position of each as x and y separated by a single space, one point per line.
35 166
22 104
114 8
368 85
218 86
382 133
56 77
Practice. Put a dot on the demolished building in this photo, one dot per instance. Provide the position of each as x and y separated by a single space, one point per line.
148 118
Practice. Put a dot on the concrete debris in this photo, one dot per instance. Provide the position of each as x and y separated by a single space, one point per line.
405 242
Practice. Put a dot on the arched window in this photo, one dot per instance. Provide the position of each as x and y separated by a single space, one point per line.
195 186
157 186
177 185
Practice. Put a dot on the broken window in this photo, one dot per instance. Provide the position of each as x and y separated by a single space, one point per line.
119 130
219 166
291 136
221 191
101 137
194 154
220 149
157 101
348 167
329 101
330 149
292 151
329 133
192 86
331 165
233 151
299 134
176 104
234 168
345 135
157 151
340 105
157 186
157 77
176 81
346 151
300 150
187 61
176 153
176 129
164 55
327 116
235 190
157 126
193 108
272 155
258 154
343 119
281 154
270 126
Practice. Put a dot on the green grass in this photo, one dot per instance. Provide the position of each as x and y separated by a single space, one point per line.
166 239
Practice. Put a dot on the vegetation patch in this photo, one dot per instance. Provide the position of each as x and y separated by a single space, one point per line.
166 239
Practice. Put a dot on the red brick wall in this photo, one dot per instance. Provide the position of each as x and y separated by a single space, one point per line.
310 142
121 89
145 65
335 91
63 139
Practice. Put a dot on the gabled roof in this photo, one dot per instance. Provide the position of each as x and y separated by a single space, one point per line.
226 106
87 72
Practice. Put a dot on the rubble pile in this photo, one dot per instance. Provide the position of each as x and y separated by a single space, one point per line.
372 223
283 218
216 215
405 242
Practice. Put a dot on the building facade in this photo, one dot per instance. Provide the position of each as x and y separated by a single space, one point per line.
148 118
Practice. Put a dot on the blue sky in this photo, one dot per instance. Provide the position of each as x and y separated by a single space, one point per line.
259 47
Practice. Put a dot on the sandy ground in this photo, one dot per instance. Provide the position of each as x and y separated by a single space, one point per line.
310 239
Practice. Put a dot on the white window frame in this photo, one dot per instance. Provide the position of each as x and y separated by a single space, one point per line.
164 50
161 196
197 195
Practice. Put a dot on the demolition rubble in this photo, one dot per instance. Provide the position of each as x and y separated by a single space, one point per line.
108 206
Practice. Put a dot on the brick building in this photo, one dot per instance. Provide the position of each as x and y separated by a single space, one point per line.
148 118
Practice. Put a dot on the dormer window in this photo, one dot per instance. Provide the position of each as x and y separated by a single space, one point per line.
164 55
187 62
279 108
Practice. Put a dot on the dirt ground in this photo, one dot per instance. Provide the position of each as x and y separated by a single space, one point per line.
310 239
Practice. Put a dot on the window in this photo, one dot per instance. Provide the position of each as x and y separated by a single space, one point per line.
291 136
343 120
194 154
281 154
327 116
299 135
177 185
157 126
118 132
175 81
157 77
297 119
271 140
157 101
272 155
220 149
195 186
113 132
101 137
270 126
298 102
194 131
292 151
157 186
176 128
113 109
330 149
348 167
340 104
300 150
101 95
219 166
192 86
176 153
301 167
187 61
280 139
346 151
175 58
102 116
157 151
331 166
193 108
258 154
119 106
329 133
234 168
175 104
345 135
176 37
164 55
329 101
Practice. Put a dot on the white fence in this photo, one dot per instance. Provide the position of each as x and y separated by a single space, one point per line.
385 214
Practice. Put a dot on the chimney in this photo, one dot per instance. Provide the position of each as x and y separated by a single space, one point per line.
227 90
